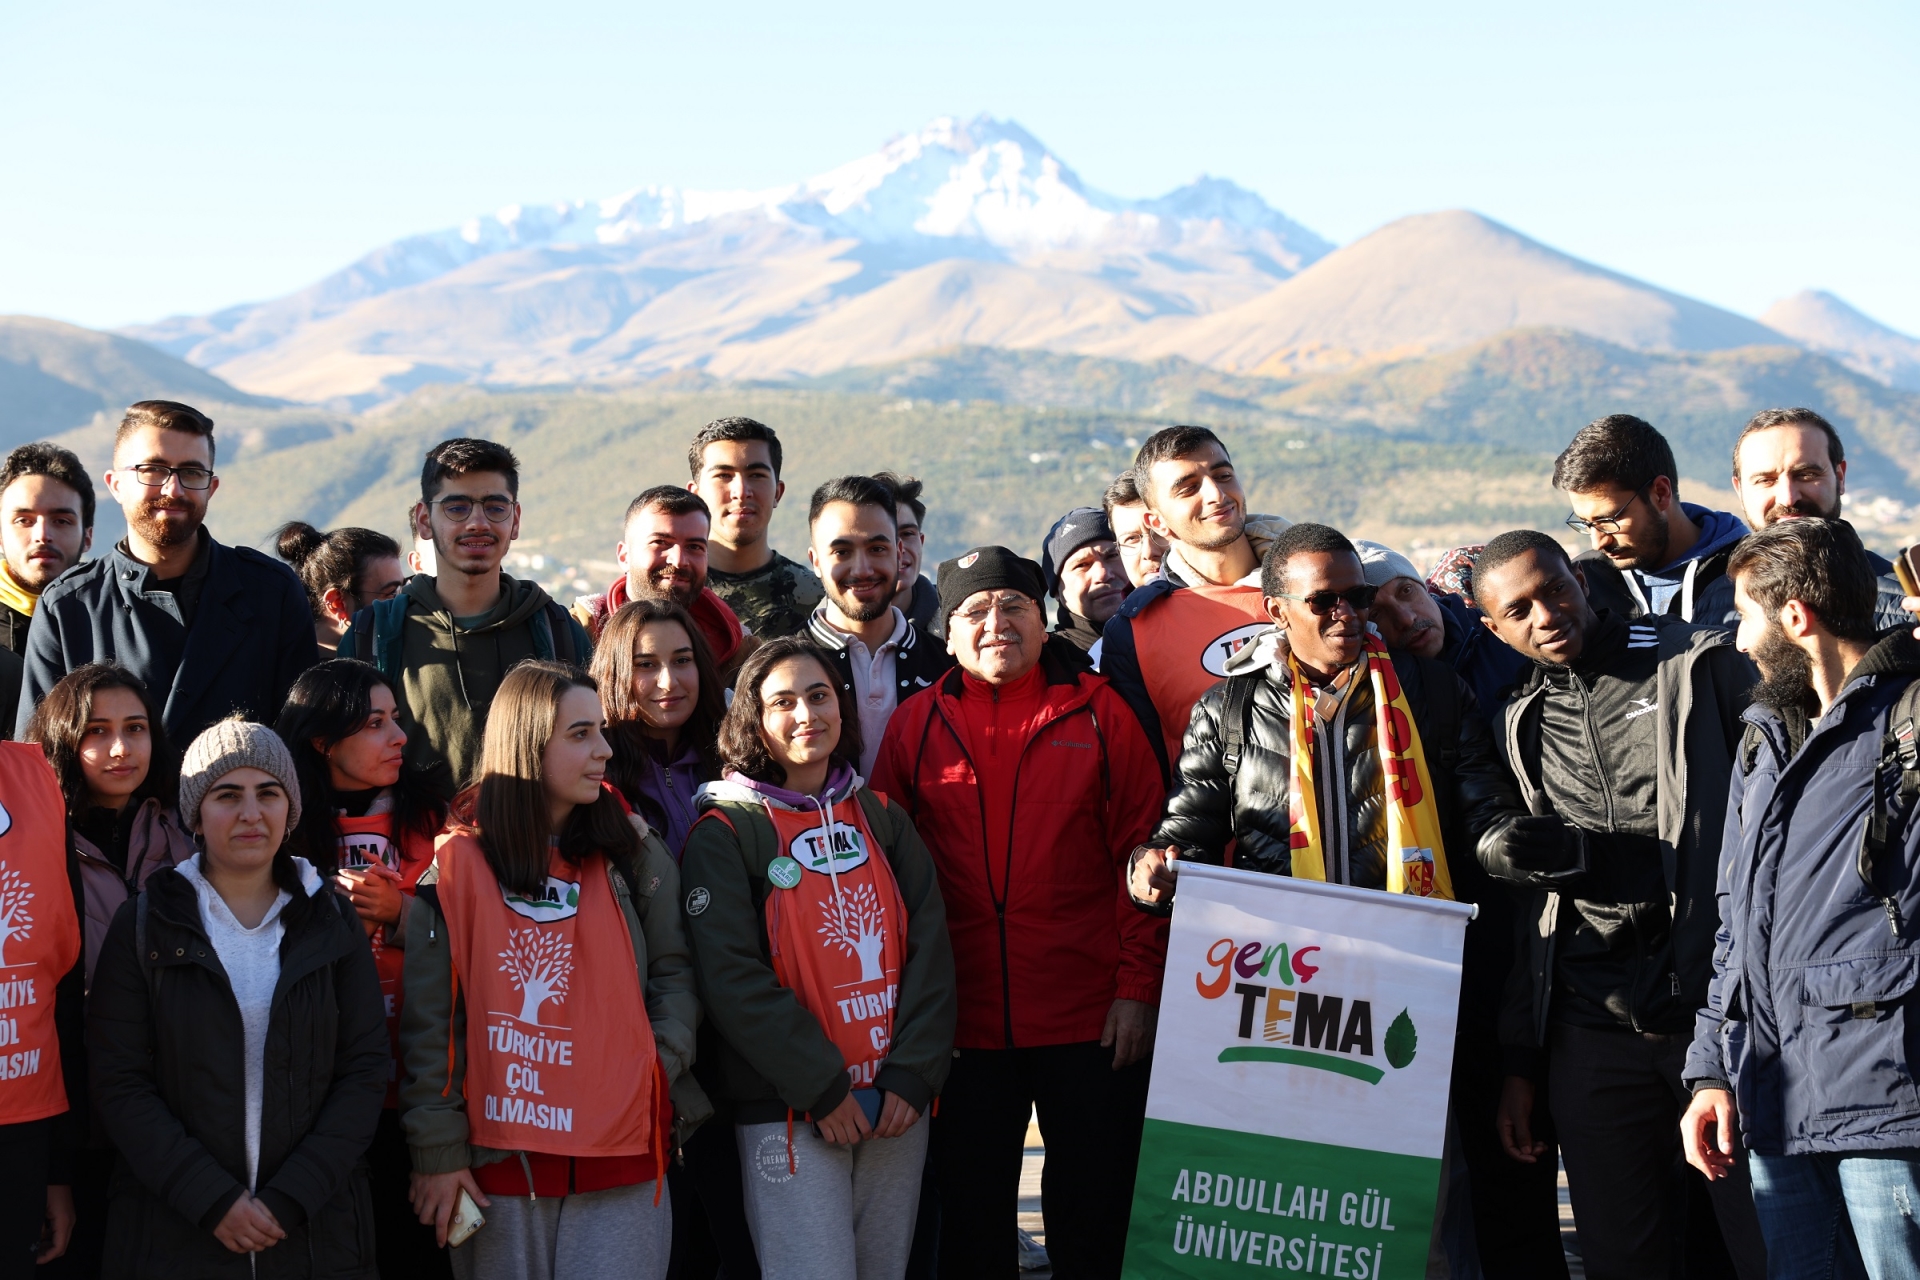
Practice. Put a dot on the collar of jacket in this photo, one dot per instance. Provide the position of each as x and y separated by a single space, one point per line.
1260 531
315 936
136 577
835 642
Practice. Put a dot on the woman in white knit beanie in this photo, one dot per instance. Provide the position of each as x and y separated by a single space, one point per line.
237 984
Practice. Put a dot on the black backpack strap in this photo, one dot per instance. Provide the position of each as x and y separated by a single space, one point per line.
1750 743
1238 706
560 622
1899 755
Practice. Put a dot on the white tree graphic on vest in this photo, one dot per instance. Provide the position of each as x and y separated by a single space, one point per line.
539 964
856 923
15 894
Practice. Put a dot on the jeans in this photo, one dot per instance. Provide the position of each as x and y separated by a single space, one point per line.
1836 1215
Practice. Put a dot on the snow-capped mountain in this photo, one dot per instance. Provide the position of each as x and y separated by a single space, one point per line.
978 213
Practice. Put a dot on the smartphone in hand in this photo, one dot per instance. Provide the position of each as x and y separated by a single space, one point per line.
467 1219
1906 567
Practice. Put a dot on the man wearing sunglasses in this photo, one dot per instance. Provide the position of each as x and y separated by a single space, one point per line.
211 629
449 638
1286 761
1652 553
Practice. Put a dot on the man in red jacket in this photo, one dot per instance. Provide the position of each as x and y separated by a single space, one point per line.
663 555
1031 782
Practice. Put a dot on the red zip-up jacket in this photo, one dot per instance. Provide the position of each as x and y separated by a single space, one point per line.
1031 797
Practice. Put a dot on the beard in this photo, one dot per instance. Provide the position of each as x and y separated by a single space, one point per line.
1804 507
1786 671
850 605
146 521
683 590
1655 552
1206 537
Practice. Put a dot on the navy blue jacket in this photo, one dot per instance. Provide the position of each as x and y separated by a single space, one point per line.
1810 1013
252 636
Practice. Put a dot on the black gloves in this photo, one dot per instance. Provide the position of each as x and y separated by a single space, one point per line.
1543 846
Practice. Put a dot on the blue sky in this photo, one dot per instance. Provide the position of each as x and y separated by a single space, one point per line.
158 159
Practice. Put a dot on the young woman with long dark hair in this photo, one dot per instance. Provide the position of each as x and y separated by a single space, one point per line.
550 1007
370 824
821 946
235 1034
664 702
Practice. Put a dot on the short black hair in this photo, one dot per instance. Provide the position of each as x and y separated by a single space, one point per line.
861 491
1511 545
670 498
1168 443
1620 451
906 489
1768 419
1123 492
732 429
465 456
1294 540
167 415
1820 563
55 463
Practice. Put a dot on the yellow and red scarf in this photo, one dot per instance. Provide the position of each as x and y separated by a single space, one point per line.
1416 858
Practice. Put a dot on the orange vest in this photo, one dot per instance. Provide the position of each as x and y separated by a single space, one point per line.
838 937
1183 641
560 1053
363 842
39 933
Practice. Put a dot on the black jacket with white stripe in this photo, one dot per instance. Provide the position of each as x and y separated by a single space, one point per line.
1632 745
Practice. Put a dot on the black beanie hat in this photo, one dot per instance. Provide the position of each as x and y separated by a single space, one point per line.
1071 532
988 569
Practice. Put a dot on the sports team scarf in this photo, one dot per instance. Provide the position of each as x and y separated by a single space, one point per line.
1413 822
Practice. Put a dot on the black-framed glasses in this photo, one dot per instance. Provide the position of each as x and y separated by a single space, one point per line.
1605 524
1012 607
155 474
1325 602
460 510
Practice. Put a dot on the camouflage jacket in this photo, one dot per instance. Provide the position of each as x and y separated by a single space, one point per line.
773 600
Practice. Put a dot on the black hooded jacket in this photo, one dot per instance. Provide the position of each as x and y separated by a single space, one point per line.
167 1048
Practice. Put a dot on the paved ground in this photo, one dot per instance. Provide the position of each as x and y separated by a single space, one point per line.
1032 1223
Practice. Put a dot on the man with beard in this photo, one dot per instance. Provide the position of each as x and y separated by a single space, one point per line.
1250 748
1170 641
1621 740
211 629
915 594
1141 549
735 464
1432 624
46 525
877 652
1790 463
1805 1038
1652 553
663 549
448 639
1083 570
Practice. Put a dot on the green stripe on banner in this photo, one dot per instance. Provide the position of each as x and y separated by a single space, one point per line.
1212 1202
1301 1058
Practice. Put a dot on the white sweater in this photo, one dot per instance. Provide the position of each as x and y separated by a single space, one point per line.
251 958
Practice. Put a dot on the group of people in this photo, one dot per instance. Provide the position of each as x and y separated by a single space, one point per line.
736 919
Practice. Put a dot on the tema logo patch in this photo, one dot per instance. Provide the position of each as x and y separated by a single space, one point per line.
1301 1028
842 844
1220 648
560 900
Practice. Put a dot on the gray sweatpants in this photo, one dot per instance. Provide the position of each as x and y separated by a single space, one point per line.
618 1234
839 1213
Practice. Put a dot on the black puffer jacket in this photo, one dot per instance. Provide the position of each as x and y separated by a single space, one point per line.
1474 793
167 1049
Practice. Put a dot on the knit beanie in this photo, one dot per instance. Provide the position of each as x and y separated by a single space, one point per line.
1382 564
988 569
1071 532
235 744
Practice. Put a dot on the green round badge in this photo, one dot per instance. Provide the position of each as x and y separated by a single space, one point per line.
784 872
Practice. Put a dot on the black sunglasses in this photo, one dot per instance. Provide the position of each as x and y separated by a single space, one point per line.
1324 602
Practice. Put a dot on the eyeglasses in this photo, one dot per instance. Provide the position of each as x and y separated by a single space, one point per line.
1324 602
1605 524
1012 609
155 474
460 510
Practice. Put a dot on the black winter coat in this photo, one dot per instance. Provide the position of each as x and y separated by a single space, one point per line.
1473 791
166 1046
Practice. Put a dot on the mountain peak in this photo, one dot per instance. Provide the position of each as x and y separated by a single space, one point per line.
1832 325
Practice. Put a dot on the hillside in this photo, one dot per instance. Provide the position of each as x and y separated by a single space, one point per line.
1423 452
1827 324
